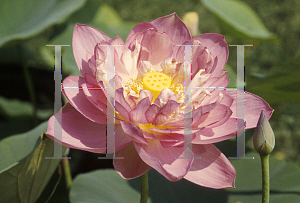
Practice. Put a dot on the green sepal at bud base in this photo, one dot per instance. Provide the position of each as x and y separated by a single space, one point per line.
263 138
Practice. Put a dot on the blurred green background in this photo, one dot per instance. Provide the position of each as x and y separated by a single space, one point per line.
272 64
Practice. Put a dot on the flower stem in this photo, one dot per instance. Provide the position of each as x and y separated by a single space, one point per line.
144 188
67 172
265 178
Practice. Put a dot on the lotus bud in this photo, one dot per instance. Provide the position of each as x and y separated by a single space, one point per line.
263 138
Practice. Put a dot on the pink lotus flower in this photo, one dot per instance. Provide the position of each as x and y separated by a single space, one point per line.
149 127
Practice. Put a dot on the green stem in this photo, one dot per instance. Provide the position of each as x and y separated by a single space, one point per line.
144 188
67 172
265 178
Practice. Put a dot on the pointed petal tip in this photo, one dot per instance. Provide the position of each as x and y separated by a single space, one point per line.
174 27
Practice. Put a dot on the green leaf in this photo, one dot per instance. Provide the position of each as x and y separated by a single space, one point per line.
238 19
15 108
21 19
279 88
108 186
284 181
102 186
13 149
24 171
100 16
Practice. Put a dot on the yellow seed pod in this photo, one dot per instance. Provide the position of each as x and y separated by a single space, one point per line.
155 82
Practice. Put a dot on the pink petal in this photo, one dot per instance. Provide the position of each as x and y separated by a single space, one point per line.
164 96
84 40
222 81
214 98
227 100
253 105
167 137
78 132
92 65
178 121
151 112
164 159
76 97
160 119
119 97
121 139
145 93
156 47
134 132
169 108
167 144
199 55
201 62
217 134
137 115
122 111
218 47
120 70
95 95
100 52
174 131
92 80
132 51
132 165
139 28
216 117
213 170
118 44
174 27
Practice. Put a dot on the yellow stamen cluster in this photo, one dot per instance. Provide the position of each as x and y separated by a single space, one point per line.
177 88
135 85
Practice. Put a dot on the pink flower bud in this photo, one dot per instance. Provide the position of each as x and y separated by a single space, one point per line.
263 138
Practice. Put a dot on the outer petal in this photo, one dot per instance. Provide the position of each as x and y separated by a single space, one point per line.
218 47
132 165
253 105
217 134
140 28
121 139
95 95
174 27
84 40
156 47
218 116
164 159
78 100
213 170
79 132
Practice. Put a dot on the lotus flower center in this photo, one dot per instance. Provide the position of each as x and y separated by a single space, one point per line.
155 82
